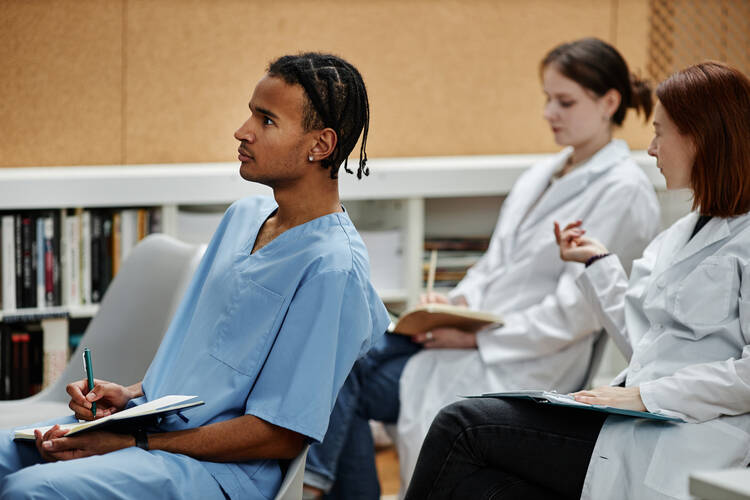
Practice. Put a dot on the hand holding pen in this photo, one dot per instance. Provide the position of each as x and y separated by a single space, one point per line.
89 368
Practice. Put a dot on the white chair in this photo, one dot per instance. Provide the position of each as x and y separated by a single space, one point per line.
291 486
128 328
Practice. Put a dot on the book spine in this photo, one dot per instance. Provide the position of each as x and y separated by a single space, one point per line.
86 257
6 360
73 269
19 383
142 223
36 360
106 252
116 242
19 260
65 263
9 262
55 347
40 255
95 255
129 232
28 232
48 236
57 252
155 224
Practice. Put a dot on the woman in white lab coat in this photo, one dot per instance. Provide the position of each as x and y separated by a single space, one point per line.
547 338
682 321
548 333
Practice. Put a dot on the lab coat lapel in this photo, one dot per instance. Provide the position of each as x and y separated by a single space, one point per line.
522 201
715 230
569 186
679 246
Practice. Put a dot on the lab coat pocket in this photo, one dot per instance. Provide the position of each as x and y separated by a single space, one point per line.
685 448
705 295
242 331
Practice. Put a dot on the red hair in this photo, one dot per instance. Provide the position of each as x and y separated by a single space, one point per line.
710 103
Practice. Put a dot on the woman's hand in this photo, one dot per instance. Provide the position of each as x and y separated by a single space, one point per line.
439 298
446 338
109 398
573 246
627 398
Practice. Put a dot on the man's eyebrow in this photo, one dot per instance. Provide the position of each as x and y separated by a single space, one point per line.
262 111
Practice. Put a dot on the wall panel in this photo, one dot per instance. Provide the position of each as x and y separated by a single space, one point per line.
140 81
61 82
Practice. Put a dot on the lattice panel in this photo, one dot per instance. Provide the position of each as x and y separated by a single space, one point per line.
685 32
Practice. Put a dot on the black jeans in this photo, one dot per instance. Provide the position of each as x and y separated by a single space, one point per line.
491 448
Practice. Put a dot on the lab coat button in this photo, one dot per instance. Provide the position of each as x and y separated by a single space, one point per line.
658 327
661 283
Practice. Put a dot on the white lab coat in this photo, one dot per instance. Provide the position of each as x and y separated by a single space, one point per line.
683 322
547 338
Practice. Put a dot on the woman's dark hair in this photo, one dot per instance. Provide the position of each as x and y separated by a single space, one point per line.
597 66
710 103
335 97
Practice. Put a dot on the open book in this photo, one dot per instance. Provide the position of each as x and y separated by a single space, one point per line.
124 418
557 399
425 317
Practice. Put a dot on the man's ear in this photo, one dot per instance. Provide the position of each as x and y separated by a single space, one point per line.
325 143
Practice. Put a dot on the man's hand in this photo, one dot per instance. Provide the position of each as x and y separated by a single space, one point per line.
447 338
53 446
109 397
573 246
627 398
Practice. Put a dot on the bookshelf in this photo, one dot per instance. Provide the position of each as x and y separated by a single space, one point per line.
408 181
412 196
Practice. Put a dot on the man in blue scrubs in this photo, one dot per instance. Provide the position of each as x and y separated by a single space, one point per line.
278 311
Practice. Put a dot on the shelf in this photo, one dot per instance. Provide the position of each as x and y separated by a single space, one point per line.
214 183
36 314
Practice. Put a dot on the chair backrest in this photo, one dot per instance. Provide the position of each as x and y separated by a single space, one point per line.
291 486
597 353
134 313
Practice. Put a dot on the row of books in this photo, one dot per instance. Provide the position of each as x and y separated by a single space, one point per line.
455 256
32 356
66 257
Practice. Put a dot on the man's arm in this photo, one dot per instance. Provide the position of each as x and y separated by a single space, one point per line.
235 440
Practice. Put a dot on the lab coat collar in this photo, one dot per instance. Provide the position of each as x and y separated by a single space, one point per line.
576 181
678 246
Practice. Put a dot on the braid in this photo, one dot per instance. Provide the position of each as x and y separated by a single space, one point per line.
335 97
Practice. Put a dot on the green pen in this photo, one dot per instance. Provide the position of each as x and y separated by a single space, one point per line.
89 374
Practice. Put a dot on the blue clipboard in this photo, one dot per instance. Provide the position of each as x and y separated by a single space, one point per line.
557 399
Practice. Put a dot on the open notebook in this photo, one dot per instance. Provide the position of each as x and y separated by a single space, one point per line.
557 399
155 408
425 317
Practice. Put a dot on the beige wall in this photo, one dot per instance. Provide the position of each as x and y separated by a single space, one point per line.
145 81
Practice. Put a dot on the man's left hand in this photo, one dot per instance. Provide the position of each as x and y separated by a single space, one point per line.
447 338
627 398
53 446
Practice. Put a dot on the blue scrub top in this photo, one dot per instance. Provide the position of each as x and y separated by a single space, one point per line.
273 334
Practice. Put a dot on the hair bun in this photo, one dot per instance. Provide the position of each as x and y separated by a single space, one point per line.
642 95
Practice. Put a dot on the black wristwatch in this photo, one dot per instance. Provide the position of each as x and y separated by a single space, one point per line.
141 439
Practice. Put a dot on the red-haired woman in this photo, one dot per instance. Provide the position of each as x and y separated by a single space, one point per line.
682 321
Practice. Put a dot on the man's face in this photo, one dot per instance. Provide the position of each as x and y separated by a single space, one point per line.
273 145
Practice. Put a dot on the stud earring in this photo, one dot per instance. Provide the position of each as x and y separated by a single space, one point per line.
310 158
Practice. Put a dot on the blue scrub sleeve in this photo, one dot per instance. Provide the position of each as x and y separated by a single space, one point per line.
326 327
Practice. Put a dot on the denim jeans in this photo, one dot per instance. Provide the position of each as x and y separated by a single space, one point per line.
343 464
492 449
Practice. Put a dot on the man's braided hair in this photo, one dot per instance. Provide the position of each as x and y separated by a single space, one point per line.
335 97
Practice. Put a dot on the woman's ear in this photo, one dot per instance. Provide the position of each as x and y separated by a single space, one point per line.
325 143
611 101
